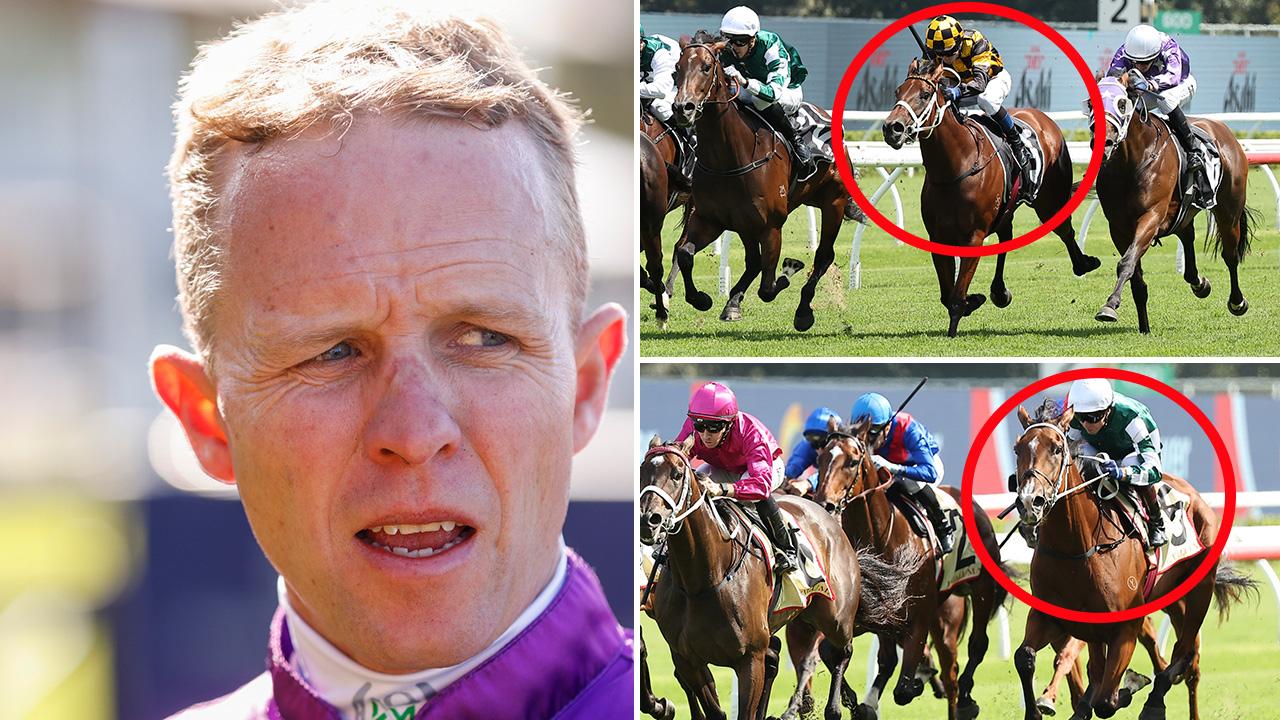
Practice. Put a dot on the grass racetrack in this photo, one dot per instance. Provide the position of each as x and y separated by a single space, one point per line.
896 313
1239 664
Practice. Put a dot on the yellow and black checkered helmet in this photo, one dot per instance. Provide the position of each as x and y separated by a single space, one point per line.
943 35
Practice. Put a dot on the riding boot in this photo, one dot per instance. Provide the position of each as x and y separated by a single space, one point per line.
784 557
1155 516
777 117
688 144
1195 159
941 523
1011 135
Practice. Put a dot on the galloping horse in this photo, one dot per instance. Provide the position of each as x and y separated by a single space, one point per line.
850 484
1138 190
742 182
712 603
962 200
1086 560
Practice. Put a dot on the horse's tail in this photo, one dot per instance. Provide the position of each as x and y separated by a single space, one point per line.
1248 220
1229 587
1001 597
882 605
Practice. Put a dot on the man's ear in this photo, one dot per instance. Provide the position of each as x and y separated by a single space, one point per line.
180 380
601 340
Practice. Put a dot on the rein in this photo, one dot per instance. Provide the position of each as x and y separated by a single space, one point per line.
939 113
732 87
846 499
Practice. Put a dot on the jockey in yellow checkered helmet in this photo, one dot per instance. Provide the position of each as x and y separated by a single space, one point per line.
982 74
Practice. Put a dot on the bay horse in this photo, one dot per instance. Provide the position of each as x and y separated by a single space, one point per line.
655 202
742 182
1138 190
850 485
962 200
1086 560
713 601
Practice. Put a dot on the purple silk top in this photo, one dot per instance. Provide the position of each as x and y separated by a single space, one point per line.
573 662
749 448
1171 67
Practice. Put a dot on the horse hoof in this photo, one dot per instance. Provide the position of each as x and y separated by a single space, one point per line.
700 301
791 266
1045 706
1203 289
1001 299
1240 309
1151 713
865 712
1106 314
731 313
967 710
973 302
668 710
804 320
1087 264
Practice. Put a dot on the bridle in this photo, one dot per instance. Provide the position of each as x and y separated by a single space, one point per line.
848 497
932 115
716 79
1057 486
673 523
1122 119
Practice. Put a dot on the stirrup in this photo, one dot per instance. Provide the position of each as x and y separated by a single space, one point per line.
783 562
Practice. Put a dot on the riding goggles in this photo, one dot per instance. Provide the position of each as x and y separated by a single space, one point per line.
739 40
876 430
816 440
710 426
1093 417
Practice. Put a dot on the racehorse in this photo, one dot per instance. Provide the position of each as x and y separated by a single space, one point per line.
742 182
713 602
1067 649
850 485
962 200
1138 190
655 202
1087 560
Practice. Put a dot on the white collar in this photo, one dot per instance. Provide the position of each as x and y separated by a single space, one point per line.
362 694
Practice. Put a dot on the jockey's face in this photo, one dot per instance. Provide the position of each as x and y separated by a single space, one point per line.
740 45
370 358
1093 422
876 435
711 432
1144 67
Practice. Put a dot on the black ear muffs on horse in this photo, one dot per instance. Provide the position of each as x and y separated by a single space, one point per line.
753 165
1159 172
979 168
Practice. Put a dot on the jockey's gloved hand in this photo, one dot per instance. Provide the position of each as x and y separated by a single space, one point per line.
952 93
733 73
1141 84
712 489
883 464
1112 469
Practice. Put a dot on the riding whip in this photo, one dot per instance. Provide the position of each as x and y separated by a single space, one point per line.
920 41
923 380
659 556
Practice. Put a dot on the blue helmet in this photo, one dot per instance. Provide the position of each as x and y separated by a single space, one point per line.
874 406
818 419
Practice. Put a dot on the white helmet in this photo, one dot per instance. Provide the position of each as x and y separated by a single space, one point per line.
1091 395
741 20
1143 43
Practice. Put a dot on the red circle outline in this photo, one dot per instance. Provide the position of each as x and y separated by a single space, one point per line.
1061 613
882 222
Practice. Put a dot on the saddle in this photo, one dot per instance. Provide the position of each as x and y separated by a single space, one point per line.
956 567
1186 182
813 127
684 151
1017 189
796 588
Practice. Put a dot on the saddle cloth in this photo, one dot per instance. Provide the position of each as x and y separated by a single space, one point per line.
815 131
798 587
956 567
1015 192
1184 541
1212 168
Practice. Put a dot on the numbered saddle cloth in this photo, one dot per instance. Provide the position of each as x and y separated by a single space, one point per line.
961 564
1184 542
814 125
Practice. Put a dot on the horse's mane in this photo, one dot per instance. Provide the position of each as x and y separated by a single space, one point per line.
702 37
1050 411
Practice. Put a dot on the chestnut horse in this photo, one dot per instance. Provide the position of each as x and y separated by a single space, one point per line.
1086 560
962 199
712 603
849 484
655 202
1138 190
742 182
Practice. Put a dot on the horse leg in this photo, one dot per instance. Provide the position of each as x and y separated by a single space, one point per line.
983 608
1067 650
1108 696
773 282
1199 284
1132 247
1000 294
962 303
1233 236
837 661
886 661
1148 636
804 675
771 656
751 268
822 259
651 704
698 233
699 688
946 638
1035 636
1138 286
1185 654
1055 191
653 269
750 674
802 646
909 686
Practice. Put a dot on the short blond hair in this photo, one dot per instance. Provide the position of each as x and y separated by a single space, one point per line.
285 72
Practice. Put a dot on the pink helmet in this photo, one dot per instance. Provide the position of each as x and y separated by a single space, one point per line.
714 401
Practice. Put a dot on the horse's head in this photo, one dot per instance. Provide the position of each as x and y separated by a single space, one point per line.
921 105
699 77
844 466
1043 460
667 489
1118 103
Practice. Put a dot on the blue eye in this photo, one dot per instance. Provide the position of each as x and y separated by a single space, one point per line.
341 351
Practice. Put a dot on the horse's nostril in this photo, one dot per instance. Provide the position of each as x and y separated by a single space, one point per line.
654 519
897 127
1037 502
830 507
687 107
